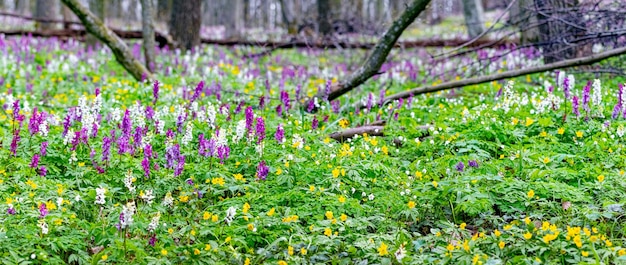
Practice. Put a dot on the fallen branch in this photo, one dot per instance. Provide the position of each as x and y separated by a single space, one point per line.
122 53
587 60
349 133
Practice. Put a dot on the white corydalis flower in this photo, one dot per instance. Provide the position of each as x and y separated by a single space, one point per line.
100 197
230 214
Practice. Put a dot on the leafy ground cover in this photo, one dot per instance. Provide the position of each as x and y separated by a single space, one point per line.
219 162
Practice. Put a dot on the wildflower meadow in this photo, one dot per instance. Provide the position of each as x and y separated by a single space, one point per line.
225 161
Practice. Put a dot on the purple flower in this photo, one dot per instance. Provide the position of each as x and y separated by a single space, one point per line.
575 106
14 142
126 124
262 102
311 105
11 211
43 210
314 123
335 105
284 98
249 119
473 163
155 92
279 110
145 164
43 171
222 153
106 148
260 130
566 87
189 181
616 110
370 102
152 240
180 166
198 90
34 162
586 97
280 134
261 171
381 98
460 166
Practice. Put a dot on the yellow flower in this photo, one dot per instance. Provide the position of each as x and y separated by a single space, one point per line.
336 172
435 184
529 121
621 252
311 188
279 171
411 204
579 134
282 262
530 194
271 212
342 199
328 232
462 225
382 250
163 252
196 251
546 160
170 230
543 134
450 247
207 247
344 123
206 216
561 131
290 250
501 244
343 217
329 215
227 239
527 220
246 207
497 233
104 257
584 253
385 150
528 235
214 218
251 226
247 261
303 251
601 178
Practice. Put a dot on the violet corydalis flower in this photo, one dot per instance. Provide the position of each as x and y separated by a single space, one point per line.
43 210
280 134
460 166
249 119
34 162
261 171
260 130
473 163
575 106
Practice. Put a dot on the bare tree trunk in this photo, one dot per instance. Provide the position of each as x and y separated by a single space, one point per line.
234 19
185 23
380 52
122 54
147 12
289 17
323 17
164 10
473 13
67 16
557 27
46 9
98 8
23 7
523 16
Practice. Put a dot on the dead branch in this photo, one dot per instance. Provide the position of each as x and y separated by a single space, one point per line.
508 74
351 132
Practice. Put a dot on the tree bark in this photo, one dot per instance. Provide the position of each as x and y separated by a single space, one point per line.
556 27
234 19
522 16
95 26
98 8
473 13
23 7
164 10
46 9
380 52
509 74
323 17
147 12
185 23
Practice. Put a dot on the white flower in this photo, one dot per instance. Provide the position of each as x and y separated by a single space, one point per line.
596 94
60 202
147 196
168 201
44 226
188 134
154 223
77 198
400 253
240 130
297 141
128 182
43 128
230 214
100 197
69 137
126 218
620 130
371 197
210 116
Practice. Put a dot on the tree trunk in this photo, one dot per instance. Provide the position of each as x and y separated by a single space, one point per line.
323 17
380 52
95 26
185 23
557 28
522 16
147 12
46 9
473 13
234 19
23 7
67 17
164 10
98 8
289 17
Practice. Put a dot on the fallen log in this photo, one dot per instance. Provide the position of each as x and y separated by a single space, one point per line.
587 60
351 132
